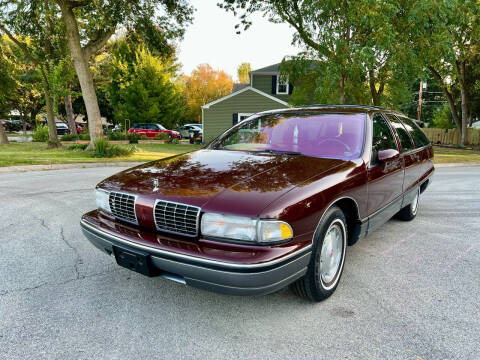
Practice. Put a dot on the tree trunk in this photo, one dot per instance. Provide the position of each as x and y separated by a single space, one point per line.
81 63
70 115
449 96
3 135
463 94
24 124
342 89
52 128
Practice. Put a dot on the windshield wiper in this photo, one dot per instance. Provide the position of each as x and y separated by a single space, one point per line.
280 152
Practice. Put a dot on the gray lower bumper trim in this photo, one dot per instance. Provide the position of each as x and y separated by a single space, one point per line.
260 279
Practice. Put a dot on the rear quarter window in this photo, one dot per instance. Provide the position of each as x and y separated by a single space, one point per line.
415 132
402 133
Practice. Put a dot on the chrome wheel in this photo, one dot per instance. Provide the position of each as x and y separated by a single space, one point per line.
331 255
414 204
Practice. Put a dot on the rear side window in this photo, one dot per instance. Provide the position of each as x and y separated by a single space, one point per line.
405 139
383 138
415 132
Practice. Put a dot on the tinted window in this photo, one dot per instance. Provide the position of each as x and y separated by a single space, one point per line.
152 127
405 139
318 135
383 138
418 136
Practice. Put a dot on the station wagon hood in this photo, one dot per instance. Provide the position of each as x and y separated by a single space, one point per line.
218 180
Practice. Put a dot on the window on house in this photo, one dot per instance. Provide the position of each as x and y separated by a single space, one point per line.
282 84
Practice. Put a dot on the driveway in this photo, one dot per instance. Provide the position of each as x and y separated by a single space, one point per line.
409 290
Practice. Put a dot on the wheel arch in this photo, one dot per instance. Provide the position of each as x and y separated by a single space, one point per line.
349 207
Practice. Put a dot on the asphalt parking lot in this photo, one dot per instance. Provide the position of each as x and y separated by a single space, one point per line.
409 290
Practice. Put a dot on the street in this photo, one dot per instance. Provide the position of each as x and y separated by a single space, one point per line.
410 290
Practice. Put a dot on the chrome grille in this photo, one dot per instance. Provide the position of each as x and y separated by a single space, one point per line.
123 206
176 218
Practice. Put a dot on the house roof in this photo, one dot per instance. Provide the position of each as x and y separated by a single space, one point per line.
206 106
271 69
239 86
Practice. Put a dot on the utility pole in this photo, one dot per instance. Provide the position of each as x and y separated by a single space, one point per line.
419 112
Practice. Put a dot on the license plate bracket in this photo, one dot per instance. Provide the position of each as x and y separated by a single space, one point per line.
134 260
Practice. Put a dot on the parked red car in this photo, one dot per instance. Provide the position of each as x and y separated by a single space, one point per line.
273 201
152 130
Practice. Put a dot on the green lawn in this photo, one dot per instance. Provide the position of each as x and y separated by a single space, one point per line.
37 153
447 155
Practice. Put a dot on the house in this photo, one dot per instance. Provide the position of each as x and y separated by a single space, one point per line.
268 90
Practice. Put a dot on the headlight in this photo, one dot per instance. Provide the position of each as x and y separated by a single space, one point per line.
244 228
230 227
101 198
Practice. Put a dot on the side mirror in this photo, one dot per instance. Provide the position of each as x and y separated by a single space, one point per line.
388 154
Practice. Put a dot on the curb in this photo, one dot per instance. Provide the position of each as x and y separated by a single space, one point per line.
25 168
447 165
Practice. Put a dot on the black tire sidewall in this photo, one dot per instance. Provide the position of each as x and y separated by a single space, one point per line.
315 284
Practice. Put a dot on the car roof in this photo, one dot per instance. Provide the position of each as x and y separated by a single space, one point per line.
333 107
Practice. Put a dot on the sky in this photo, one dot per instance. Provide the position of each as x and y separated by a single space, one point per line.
212 39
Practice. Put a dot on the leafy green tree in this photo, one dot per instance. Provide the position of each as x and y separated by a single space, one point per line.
38 34
242 72
90 24
357 43
446 34
145 89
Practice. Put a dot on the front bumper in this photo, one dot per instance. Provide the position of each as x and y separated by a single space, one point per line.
218 276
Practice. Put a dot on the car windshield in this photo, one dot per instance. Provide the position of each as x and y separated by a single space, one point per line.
161 127
331 135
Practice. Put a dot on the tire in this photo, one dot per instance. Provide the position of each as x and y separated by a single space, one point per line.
330 243
409 212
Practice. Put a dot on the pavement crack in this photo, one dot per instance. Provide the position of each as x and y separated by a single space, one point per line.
42 223
78 258
44 284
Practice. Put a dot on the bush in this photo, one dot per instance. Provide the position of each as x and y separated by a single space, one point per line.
162 136
442 118
103 149
133 138
40 134
77 147
116 136
84 136
69 137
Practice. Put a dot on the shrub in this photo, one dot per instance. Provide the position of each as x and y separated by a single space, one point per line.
162 136
104 149
40 134
116 136
77 147
133 138
84 136
69 137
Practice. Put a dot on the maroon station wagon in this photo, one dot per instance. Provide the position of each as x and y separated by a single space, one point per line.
273 201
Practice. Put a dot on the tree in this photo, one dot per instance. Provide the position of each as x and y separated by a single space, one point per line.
203 86
34 28
145 89
357 43
6 84
90 24
243 71
447 35
26 92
